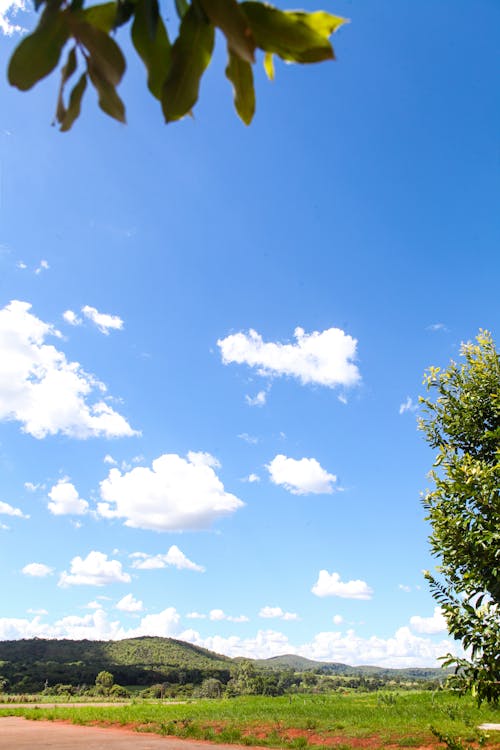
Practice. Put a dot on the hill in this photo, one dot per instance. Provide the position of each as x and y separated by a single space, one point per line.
28 665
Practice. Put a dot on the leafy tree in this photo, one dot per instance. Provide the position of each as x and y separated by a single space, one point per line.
211 688
174 69
463 424
104 682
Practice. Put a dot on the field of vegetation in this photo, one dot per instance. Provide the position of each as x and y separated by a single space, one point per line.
340 720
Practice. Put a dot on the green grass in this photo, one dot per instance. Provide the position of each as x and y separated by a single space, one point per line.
403 718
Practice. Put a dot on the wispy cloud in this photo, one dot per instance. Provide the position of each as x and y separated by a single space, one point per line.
408 405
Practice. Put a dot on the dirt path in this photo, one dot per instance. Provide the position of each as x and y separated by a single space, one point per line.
17 733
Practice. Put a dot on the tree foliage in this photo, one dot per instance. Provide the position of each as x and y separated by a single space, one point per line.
463 424
174 68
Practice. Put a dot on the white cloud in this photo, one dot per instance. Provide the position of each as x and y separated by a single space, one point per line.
9 510
42 390
94 570
404 587
43 266
403 649
408 405
438 327
109 460
173 557
37 570
37 611
174 495
4 527
329 584
93 605
129 604
323 358
216 615
301 477
337 619
257 400
103 321
196 616
20 263
72 318
251 478
250 439
429 625
277 613
163 624
32 487
65 500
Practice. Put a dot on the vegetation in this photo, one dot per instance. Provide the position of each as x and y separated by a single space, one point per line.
463 423
336 720
174 70
164 667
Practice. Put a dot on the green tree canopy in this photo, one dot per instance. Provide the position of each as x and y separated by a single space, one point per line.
463 424
174 68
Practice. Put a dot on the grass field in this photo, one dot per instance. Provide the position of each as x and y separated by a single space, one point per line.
370 720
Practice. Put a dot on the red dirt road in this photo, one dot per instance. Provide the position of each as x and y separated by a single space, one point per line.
17 733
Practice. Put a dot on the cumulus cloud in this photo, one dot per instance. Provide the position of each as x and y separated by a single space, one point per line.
42 390
94 570
9 510
174 557
337 619
304 476
104 322
71 318
37 570
258 400
429 625
64 500
329 584
322 358
408 405
129 604
277 613
176 494
218 614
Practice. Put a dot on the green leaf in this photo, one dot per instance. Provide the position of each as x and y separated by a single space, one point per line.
66 73
288 34
155 51
38 54
320 21
191 54
109 101
124 12
106 55
269 65
74 106
240 73
181 6
229 18
103 16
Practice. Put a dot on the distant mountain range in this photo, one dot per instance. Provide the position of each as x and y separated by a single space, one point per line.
27 664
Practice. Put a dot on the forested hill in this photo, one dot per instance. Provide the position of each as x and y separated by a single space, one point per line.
30 664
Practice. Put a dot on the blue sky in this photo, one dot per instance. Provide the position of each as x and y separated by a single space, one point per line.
166 471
